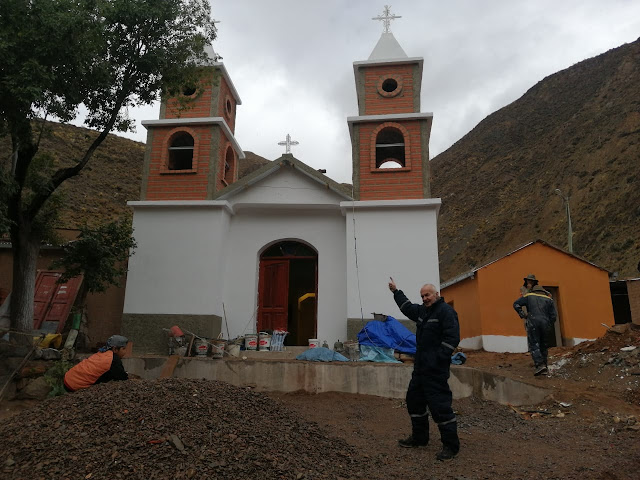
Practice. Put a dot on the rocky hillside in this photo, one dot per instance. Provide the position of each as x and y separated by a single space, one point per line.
111 179
577 130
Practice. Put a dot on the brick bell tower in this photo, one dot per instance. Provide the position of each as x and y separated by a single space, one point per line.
390 136
192 154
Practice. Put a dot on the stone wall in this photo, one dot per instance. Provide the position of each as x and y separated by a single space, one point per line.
147 334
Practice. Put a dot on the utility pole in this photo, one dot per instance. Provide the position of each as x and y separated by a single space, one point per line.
568 210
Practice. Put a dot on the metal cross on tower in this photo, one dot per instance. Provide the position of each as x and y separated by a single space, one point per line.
288 143
386 18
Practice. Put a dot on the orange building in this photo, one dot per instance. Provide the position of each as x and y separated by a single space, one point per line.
484 298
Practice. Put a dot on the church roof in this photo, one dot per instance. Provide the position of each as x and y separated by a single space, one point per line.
387 48
286 160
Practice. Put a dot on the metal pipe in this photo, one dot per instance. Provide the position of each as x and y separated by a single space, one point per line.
568 210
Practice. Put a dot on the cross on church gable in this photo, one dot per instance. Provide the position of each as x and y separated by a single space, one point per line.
288 143
386 18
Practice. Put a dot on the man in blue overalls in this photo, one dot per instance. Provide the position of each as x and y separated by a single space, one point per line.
437 336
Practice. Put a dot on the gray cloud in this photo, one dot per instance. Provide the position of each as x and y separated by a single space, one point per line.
291 62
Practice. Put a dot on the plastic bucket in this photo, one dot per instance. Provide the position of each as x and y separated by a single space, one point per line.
233 350
201 346
76 321
251 341
264 341
217 348
314 343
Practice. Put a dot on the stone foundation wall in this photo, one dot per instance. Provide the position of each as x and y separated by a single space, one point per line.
145 330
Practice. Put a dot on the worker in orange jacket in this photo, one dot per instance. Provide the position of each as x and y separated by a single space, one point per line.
104 366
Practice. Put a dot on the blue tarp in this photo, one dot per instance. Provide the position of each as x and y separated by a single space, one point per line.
321 354
388 334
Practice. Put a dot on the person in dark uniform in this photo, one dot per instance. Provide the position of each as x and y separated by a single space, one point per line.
539 316
530 281
104 366
437 336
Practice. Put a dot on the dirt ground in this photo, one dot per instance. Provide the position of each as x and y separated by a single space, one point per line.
589 427
595 435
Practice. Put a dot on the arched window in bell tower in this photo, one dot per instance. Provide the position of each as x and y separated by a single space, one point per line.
229 167
390 148
181 152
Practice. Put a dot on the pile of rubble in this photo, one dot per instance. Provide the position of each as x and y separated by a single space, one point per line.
617 353
173 429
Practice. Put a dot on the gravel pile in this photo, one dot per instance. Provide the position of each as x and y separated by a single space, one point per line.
170 429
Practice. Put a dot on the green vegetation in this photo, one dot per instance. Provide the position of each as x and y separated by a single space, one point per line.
55 376
58 55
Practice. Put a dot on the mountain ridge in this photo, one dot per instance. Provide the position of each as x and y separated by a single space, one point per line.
577 130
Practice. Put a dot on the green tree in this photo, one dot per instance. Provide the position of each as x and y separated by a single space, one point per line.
58 56
99 254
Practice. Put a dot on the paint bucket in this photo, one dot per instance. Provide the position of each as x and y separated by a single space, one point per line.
217 348
251 341
201 346
233 350
314 343
264 341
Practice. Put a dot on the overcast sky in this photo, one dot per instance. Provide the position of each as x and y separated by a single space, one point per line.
291 62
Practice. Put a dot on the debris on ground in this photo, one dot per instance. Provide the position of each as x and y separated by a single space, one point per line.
169 429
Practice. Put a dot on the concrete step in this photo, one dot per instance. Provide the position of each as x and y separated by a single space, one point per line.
288 353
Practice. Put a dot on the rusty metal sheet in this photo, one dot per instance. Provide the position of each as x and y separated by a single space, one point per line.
53 301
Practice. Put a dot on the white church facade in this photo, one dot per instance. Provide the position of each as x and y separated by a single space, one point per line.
285 247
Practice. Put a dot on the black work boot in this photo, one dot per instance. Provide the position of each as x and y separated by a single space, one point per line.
413 442
446 454
541 370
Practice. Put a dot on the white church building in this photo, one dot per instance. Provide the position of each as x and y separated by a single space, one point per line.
285 247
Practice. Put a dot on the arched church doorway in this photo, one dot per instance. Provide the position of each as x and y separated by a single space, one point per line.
287 289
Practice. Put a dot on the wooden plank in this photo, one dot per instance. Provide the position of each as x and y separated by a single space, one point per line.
169 366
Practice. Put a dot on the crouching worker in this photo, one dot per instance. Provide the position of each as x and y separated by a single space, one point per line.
101 367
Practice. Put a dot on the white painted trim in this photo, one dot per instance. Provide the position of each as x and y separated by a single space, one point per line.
396 61
212 204
427 203
571 342
503 343
179 122
221 66
473 343
390 116
285 206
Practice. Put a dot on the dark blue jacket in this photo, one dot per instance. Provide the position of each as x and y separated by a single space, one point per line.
540 308
437 334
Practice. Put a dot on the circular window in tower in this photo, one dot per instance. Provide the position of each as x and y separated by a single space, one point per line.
189 90
228 107
390 86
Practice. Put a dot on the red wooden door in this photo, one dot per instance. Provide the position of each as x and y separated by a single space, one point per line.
273 295
45 289
53 302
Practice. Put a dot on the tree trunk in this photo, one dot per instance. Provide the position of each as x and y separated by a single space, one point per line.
26 247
